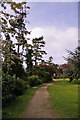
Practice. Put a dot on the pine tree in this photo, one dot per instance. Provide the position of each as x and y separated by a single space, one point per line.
38 44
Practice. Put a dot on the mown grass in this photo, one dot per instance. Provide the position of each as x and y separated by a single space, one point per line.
16 107
64 98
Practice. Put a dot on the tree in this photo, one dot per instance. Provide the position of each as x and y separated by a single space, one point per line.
18 24
50 61
74 61
29 60
48 68
7 47
38 44
64 68
13 26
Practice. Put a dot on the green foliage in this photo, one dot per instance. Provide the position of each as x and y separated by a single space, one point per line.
74 61
76 81
79 79
44 76
8 86
17 68
48 68
38 44
28 60
33 80
11 88
13 25
69 73
47 77
19 87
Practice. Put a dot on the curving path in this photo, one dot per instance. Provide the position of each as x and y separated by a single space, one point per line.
39 106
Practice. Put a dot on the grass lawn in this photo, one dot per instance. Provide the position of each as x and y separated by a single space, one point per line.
14 109
64 98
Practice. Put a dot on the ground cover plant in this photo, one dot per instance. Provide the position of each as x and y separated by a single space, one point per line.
64 98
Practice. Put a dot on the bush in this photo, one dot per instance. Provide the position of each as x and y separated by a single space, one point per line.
19 87
8 85
11 88
76 81
40 81
79 79
34 80
25 83
45 76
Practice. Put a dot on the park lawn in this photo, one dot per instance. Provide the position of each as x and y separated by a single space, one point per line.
64 99
16 107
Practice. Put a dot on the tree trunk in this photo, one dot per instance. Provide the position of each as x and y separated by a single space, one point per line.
18 51
35 61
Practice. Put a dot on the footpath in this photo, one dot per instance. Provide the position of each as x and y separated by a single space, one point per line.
39 106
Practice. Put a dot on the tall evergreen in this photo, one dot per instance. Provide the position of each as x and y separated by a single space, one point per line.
38 44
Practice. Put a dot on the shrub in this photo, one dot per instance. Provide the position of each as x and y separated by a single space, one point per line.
19 87
8 85
11 88
40 81
79 79
25 83
45 76
76 81
33 80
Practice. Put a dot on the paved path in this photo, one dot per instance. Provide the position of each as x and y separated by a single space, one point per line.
39 106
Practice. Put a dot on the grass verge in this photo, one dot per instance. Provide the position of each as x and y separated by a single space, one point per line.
16 107
64 99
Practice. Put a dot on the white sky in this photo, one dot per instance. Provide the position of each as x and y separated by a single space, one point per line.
57 41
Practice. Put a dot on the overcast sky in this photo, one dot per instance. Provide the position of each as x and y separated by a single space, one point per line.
58 23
